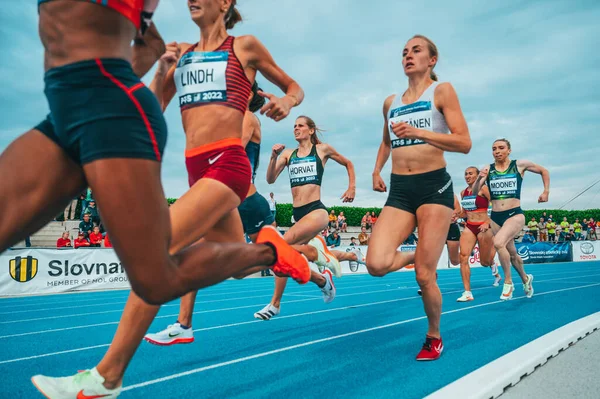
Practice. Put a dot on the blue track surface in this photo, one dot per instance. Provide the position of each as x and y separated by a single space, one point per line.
361 345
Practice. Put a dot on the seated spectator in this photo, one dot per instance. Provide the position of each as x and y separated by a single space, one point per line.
81 241
64 241
334 240
332 220
528 238
363 237
93 212
107 243
96 237
342 225
366 221
373 218
592 229
353 242
86 227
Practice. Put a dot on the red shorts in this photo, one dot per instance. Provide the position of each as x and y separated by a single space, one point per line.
474 227
225 161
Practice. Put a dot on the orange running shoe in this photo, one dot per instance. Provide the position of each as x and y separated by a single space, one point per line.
289 262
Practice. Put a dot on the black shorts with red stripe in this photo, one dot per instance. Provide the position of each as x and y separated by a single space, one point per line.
100 109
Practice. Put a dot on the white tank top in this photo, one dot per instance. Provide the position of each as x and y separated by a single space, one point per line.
422 114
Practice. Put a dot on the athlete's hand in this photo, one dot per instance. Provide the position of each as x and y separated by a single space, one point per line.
454 217
404 130
276 108
484 172
543 197
378 183
484 227
170 57
349 195
277 149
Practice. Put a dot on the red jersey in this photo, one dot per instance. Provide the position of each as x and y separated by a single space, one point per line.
63 242
95 238
81 242
107 242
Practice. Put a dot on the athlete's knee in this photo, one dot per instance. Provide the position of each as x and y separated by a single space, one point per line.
378 266
156 290
464 258
499 243
425 276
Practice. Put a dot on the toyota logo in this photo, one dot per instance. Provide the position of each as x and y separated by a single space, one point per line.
586 247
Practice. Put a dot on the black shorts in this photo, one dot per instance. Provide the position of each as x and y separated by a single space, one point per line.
501 217
100 109
453 232
304 210
255 213
409 192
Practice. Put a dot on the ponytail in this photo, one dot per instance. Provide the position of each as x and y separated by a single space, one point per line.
232 16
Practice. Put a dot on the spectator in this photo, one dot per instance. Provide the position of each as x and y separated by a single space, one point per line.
107 243
533 228
363 237
353 242
373 219
325 233
85 197
366 221
577 229
564 225
342 225
551 226
544 216
72 207
64 241
584 229
96 237
86 226
332 220
543 230
93 212
592 229
272 204
528 238
81 241
334 240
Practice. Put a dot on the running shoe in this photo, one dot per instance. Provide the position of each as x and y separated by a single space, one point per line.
360 257
528 286
507 292
325 257
288 261
431 350
494 268
329 288
497 279
173 334
266 313
83 385
465 297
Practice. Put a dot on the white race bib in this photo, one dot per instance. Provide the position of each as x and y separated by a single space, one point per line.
503 186
303 170
468 203
200 77
418 115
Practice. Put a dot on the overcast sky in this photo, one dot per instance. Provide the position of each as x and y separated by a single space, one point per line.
524 70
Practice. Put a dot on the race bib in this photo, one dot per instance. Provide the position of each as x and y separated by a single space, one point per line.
468 203
200 77
417 115
303 170
503 186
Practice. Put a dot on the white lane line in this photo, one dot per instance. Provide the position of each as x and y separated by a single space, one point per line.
327 339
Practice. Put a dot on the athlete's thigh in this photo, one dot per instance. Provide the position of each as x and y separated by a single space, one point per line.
434 222
198 211
392 228
512 226
227 229
467 242
38 181
307 227
486 247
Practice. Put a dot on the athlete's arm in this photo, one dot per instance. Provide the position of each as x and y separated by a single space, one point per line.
462 213
146 51
524 165
330 152
458 140
456 212
261 60
163 84
479 183
384 150
277 162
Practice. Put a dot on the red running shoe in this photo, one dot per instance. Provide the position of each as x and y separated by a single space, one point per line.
289 262
431 350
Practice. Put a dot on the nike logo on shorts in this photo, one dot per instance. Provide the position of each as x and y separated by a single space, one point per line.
215 159
510 214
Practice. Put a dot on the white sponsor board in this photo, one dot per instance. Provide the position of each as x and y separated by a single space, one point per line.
47 271
584 251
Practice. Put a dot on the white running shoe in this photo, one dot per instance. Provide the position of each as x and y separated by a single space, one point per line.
325 257
494 268
507 292
173 334
497 279
329 288
465 297
267 312
528 286
87 384
360 257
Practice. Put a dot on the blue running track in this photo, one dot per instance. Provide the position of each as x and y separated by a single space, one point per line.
363 344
